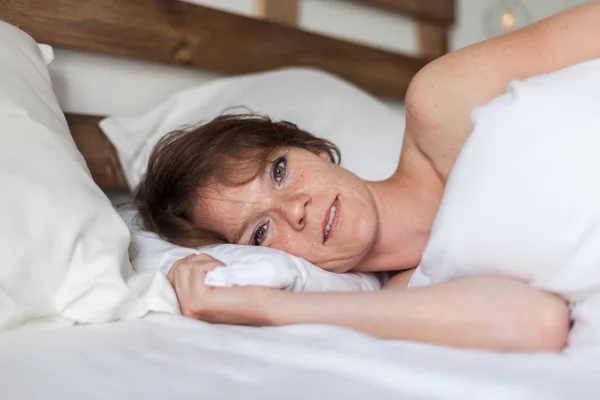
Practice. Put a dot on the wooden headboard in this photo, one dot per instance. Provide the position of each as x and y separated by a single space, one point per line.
179 33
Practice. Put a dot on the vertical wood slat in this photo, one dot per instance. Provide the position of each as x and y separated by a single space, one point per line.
279 11
100 155
433 40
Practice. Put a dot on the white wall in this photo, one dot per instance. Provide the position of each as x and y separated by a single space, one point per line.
470 15
104 85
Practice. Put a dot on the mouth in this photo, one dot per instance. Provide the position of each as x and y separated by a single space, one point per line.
331 219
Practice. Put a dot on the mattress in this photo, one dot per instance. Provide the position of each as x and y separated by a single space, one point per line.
166 356
169 356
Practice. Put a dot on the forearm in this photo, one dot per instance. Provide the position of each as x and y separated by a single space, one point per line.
483 313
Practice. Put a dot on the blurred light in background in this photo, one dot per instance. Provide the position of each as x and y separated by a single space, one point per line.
505 16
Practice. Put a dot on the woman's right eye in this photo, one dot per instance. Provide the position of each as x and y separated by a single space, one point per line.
260 234
279 169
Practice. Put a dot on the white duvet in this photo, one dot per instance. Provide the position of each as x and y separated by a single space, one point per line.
172 357
523 199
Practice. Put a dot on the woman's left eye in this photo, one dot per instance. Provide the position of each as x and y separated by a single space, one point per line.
279 169
260 234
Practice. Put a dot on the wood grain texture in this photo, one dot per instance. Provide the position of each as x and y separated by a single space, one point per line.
437 12
433 40
99 154
175 32
280 11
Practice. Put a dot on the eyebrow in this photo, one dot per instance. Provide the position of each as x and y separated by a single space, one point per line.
240 232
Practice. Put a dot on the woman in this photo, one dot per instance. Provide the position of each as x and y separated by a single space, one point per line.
247 180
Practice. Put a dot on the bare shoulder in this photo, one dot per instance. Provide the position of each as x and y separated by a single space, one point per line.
443 94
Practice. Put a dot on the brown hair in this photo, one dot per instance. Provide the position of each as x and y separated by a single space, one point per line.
223 150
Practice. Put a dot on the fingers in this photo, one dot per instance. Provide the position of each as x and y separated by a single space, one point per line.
238 305
198 258
179 278
187 276
190 261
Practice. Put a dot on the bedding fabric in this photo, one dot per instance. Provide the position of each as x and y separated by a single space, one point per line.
63 247
523 199
172 357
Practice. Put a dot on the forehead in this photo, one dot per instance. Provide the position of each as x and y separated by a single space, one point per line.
224 208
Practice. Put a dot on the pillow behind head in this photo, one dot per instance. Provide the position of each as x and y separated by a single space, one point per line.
63 247
368 132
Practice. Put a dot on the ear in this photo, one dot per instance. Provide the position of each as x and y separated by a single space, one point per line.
324 155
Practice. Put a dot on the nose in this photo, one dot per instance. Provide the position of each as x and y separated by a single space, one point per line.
294 209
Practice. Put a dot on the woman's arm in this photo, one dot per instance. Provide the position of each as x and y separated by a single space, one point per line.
484 313
443 94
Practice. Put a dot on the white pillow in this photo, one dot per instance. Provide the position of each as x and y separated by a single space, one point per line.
47 53
63 247
368 132
523 199
245 265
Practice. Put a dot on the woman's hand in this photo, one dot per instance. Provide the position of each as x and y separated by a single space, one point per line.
238 305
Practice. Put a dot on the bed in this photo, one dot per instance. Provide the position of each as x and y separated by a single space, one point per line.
168 356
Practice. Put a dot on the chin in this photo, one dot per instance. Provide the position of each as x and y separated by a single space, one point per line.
363 235
359 244
342 269
340 265
358 248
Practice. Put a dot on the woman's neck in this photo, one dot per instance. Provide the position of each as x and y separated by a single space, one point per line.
406 209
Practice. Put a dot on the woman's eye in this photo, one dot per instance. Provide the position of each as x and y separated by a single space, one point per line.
260 234
279 168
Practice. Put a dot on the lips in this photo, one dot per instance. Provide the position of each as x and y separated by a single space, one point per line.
334 222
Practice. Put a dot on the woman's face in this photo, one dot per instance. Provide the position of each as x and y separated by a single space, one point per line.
302 204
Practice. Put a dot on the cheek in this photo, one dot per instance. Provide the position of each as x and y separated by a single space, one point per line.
301 245
361 223
295 246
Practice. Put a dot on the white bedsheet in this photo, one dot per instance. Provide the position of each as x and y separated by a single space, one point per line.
172 357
